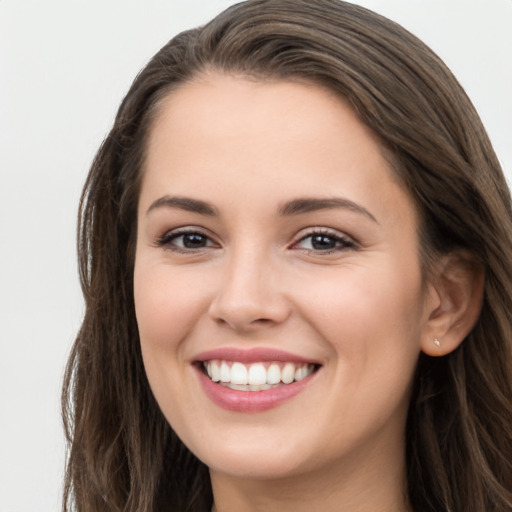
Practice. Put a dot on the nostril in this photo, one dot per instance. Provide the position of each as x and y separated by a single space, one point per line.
242 325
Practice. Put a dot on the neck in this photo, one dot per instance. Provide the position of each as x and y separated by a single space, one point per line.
377 487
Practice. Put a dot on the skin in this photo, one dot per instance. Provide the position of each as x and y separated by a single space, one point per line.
362 309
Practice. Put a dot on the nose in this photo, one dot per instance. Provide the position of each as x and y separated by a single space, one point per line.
249 296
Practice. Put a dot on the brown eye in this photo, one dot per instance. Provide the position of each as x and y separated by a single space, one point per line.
324 243
192 240
185 241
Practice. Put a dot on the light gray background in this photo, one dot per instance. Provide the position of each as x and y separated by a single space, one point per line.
64 68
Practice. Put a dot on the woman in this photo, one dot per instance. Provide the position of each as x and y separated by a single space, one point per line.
294 253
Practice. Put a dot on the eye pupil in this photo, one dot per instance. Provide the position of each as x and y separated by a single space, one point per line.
194 240
322 242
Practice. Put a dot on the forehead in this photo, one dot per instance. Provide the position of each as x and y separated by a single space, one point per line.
249 104
232 135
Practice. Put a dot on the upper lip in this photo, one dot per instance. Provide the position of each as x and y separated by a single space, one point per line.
252 355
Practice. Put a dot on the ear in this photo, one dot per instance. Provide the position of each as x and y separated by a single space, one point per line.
458 289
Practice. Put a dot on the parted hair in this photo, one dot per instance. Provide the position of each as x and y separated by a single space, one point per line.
122 454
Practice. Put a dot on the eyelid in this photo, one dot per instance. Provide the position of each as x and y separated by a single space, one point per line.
348 242
166 239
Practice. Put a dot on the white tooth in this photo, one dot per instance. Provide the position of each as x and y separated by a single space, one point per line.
224 372
261 387
301 373
208 367
238 387
238 374
288 373
273 374
257 375
215 371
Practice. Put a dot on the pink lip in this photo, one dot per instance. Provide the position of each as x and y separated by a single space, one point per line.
250 401
254 355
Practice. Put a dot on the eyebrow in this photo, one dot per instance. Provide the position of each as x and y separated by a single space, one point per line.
294 207
313 204
183 203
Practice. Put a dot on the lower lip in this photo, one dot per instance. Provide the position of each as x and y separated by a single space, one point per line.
250 401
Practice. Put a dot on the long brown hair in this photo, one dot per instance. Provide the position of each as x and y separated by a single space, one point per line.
123 456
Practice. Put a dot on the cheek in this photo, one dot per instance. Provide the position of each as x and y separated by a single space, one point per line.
368 314
167 305
371 322
377 292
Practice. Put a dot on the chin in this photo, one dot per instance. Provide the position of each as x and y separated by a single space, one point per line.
261 466
260 453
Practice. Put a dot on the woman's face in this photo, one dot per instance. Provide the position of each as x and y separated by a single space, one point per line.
275 245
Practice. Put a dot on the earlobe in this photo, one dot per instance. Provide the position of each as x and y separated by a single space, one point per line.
459 285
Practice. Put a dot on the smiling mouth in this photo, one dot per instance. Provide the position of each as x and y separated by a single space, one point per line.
259 376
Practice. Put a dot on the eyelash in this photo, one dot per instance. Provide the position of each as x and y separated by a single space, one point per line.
170 237
342 243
